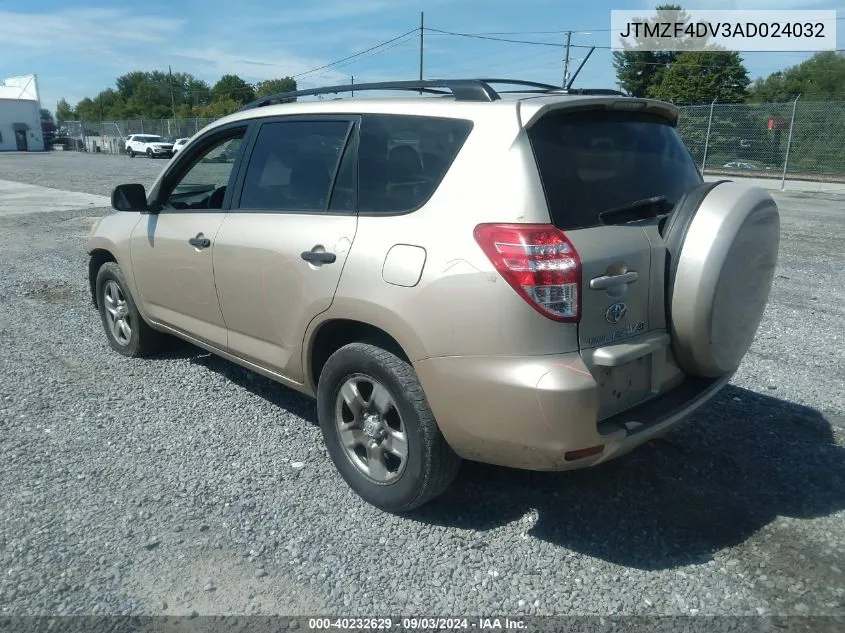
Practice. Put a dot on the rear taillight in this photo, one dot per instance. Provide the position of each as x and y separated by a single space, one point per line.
539 262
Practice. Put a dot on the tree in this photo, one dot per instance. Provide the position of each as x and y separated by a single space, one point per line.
697 76
88 110
822 77
63 111
219 108
46 115
639 71
197 92
274 86
233 88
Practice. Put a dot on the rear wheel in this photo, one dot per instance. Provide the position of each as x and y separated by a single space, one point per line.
380 431
131 152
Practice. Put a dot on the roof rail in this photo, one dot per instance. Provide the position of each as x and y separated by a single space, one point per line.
593 91
461 89
519 82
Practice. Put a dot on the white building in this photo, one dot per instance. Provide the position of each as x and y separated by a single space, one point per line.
20 115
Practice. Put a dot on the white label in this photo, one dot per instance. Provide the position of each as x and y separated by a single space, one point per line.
704 30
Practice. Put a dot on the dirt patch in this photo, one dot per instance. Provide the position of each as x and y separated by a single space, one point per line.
49 291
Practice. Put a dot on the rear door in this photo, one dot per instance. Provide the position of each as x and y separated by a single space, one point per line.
606 175
281 249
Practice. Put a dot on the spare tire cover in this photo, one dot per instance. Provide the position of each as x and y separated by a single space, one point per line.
722 251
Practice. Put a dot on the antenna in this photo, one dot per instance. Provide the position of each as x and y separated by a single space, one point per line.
578 70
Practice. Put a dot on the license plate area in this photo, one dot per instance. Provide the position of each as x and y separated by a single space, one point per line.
623 386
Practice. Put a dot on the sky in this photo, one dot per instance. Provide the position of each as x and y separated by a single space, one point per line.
79 47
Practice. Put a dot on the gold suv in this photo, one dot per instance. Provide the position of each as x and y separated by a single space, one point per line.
535 278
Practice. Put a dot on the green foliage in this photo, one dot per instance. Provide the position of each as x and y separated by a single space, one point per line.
46 115
63 111
233 88
638 71
683 75
219 108
155 94
274 86
822 77
698 76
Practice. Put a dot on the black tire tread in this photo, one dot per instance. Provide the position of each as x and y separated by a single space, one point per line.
148 340
442 463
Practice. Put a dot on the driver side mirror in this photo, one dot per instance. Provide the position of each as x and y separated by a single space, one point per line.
131 197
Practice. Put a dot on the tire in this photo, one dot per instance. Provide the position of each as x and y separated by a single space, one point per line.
722 251
149 153
131 152
392 484
113 294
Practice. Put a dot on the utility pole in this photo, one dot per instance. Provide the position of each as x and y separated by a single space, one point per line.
353 85
422 35
172 98
566 59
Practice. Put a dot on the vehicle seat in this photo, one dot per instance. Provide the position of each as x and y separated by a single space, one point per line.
404 165
309 183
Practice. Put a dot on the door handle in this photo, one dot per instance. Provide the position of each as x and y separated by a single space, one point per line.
199 241
318 257
609 281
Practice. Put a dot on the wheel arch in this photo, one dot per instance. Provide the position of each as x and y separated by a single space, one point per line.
97 257
332 334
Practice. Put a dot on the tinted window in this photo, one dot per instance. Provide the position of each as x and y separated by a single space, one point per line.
292 165
204 184
344 191
402 159
593 161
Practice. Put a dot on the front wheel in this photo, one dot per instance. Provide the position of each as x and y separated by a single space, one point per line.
125 328
149 153
380 431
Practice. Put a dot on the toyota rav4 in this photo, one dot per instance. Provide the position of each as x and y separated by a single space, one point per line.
538 279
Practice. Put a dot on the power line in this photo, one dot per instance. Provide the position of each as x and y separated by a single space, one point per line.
409 38
497 39
372 48
535 43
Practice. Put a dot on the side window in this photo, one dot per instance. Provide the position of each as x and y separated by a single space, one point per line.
344 191
403 159
292 165
203 185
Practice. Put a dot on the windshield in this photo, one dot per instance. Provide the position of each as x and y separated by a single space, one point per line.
593 161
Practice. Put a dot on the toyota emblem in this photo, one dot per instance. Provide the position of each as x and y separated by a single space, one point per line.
616 313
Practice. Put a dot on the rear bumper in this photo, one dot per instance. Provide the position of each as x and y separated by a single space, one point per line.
529 412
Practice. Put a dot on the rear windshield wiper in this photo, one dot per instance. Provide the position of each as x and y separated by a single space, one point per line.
638 210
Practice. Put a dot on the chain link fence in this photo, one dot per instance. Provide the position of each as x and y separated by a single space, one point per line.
110 136
793 140
800 140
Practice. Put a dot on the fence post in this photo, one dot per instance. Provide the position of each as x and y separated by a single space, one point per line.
707 138
788 144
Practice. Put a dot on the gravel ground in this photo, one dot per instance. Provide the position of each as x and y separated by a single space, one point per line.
185 484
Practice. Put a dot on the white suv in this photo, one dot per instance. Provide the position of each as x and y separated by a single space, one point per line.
152 146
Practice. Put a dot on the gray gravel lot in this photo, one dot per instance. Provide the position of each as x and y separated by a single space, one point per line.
185 484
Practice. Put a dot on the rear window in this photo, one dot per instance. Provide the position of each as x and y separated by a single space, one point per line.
593 161
402 159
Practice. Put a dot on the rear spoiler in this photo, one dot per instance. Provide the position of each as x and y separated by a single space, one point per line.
532 110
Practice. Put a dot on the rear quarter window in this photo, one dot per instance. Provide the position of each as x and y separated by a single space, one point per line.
402 159
596 160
